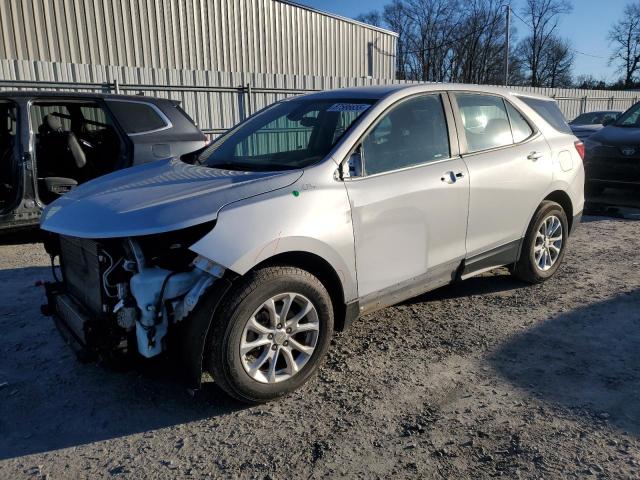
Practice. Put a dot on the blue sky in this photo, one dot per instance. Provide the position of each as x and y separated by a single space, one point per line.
587 27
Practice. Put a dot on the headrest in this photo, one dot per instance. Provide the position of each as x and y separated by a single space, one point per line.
50 123
53 122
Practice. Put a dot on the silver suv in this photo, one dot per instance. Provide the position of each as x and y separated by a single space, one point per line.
245 258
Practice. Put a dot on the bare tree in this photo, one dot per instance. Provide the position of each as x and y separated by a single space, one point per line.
557 61
589 82
478 52
625 39
397 18
542 16
372 18
447 40
434 24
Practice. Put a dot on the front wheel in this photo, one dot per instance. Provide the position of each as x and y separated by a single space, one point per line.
544 244
271 334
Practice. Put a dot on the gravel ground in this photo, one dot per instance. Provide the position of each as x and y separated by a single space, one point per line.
480 379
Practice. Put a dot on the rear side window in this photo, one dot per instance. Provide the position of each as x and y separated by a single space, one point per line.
138 117
485 121
185 114
549 110
519 126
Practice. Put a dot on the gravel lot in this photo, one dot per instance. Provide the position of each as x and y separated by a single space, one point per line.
485 378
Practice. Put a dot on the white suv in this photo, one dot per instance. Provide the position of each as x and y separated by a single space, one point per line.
244 258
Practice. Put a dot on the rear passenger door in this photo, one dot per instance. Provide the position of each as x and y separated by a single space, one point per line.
510 168
409 207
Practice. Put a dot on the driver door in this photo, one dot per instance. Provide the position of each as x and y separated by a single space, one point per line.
409 207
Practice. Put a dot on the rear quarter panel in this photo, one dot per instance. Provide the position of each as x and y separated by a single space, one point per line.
568 169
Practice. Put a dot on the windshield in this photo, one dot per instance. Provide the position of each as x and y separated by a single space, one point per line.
289 135
630 118
594 118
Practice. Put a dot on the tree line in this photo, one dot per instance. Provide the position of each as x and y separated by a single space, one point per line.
464 41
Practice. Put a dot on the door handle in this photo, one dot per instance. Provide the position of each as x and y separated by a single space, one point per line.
450 177
535 156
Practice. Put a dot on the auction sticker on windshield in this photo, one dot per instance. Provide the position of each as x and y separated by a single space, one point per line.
348 107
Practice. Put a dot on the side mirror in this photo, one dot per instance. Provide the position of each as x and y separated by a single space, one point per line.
353 166
608 121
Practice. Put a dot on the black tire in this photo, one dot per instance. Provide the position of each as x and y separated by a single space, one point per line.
223 359
526 268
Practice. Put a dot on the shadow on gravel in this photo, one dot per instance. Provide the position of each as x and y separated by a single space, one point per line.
490 283
586 360
30 235
49 400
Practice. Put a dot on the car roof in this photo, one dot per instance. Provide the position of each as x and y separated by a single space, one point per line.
365 92
376 92
87 95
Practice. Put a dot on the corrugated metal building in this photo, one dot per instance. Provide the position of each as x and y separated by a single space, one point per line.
256 36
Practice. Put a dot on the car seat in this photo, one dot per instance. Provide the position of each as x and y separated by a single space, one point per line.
60 159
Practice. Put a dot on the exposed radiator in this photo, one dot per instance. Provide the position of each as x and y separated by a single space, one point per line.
81 272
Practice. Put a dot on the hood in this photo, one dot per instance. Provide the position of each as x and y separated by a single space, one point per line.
617 136
157 197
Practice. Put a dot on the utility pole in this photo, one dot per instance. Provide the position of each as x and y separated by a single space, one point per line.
506 46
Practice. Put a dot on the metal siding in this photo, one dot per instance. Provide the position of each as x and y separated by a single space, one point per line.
267 36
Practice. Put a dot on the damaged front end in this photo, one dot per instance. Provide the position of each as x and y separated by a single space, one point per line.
117 296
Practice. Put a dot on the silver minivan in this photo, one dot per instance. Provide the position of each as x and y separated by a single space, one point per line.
244 258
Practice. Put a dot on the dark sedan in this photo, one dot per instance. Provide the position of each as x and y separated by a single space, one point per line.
586 124
613 154
50 142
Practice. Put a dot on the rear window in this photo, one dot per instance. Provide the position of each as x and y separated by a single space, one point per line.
138 117
548 109
185 114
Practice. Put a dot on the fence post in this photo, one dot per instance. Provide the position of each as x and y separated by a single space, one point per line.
116 86
247 103
610 103
583 105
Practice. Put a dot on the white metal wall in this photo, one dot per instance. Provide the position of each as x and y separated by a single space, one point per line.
217 100
267 36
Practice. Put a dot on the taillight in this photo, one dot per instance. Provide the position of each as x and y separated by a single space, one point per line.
579 148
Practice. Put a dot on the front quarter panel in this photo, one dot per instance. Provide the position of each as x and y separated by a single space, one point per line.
312 216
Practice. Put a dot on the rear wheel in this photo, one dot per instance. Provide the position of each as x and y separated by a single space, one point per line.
544 244
271 334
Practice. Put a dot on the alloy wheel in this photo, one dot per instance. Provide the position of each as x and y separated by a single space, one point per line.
279 338
548 243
